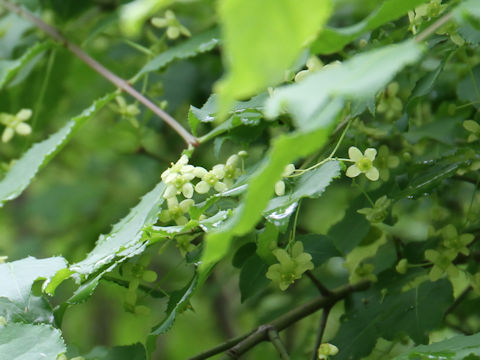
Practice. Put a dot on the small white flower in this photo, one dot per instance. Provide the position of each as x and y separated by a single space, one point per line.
178 178
363 163
16 124
212 179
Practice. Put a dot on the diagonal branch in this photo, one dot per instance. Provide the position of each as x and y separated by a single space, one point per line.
321 331
243 343
102 70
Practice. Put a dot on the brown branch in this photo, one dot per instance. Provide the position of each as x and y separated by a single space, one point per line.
277 342
321 331
102 70
323 290
434 27
243 343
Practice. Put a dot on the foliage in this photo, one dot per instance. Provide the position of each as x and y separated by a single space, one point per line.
333 164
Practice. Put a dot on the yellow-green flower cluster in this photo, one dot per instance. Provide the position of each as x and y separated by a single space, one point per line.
291 265
379 211
15 124
389 103
326 350
179 179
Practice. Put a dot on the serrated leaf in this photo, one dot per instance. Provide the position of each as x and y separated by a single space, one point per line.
259 59
178 302
349 231
10 68
197 44
456 348
309 185
252 277
28 342
37 311
358 78
385 311
332 40
124 240
17 277
24 169
285 149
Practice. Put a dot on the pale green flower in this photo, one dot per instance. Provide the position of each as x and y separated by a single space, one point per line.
313 64
16 124
363 163
384 162
280 184
128 111
212 179
291 266
442 263
389 104
176 211
452 240
379 211
232 170
170 21
473 128
402 266
325 350
363 272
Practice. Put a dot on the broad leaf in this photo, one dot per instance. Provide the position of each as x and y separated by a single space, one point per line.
455 348
17 277
358 78
24 169
130 352
252 277
332 40
28 342
321 247
38 310
257 59
196 45
387 311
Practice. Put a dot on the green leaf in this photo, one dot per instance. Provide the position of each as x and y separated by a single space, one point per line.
465 10
358 78
38 310
197 44
455 348
24 169
257 59
252 277
285 149
10 68
385 311
125 239
17 277
178 302
321 247
267 241
332 40
28 342
349 231
309 185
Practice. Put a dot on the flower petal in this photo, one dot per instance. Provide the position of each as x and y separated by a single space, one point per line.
23 129
280 188
199 172
370 153
24 114
187 190
7 134
354 154
186 204
372 174
353 171
202 187
220 186
170 191
219 171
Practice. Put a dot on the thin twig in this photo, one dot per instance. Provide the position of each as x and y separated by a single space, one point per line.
103 71
243 343
321 331
457 301
323 290
277 342
434 27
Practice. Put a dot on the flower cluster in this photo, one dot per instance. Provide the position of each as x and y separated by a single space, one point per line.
127 111
363 163
170 21
179 178
15 124
291 265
